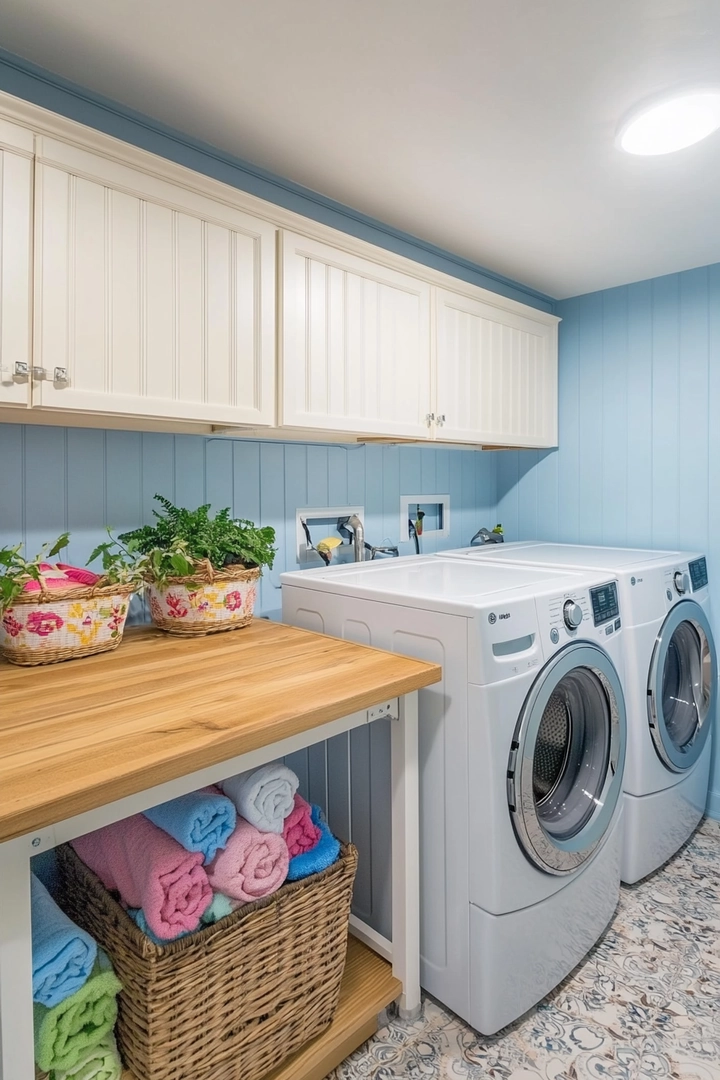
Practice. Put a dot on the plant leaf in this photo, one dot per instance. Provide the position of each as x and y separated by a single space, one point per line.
60 543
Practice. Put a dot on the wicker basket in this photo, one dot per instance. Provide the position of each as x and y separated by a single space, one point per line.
230 1001
209 601
47 626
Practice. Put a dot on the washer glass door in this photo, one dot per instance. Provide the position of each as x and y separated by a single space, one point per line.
565 769
682 685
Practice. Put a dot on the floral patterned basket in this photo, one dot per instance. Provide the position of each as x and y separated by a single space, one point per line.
209 601
45 627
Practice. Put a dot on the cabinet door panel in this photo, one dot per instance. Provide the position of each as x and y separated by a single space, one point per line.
356 343
155 300
125 327
496 373
16 188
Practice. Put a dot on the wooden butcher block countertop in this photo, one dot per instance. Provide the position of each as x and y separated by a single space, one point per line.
77 735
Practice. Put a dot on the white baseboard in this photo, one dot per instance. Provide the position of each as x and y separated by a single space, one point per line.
712 807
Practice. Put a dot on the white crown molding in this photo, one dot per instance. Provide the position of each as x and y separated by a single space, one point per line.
44 122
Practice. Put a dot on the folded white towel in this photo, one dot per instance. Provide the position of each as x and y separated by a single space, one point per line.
264 796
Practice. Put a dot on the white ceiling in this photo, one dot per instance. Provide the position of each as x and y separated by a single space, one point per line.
484 126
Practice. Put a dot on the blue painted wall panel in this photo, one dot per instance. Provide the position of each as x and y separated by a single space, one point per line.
57 478
639 456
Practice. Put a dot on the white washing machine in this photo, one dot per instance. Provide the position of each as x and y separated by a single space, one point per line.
670 685
522 749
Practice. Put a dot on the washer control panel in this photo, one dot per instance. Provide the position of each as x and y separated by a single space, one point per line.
605 605
567 613
572 614
590 612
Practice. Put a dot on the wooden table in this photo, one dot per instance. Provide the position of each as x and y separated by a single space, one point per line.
92 741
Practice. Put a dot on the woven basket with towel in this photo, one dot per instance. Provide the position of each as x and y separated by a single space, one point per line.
233 999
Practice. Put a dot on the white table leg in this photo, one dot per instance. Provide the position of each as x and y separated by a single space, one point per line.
16 1014
406 855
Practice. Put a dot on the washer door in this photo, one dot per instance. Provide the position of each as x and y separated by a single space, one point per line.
567 758
682 686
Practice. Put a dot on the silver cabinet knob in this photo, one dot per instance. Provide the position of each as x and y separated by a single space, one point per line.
681 582
441 419
21 371
572 614
429 417
60 376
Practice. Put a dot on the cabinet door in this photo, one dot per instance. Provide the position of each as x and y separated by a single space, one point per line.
356 343
16 187
495 373
151 299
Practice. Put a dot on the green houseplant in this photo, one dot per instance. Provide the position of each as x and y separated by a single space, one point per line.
201 570
46 617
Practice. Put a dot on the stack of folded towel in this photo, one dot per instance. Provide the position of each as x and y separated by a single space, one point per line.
268 798
194 860
74 994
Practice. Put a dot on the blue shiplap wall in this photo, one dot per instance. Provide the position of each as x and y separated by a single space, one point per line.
639 457
52 479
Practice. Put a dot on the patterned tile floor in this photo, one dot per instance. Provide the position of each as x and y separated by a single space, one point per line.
643 1005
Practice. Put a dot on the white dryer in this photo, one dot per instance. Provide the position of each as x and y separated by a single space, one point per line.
670 685
522 748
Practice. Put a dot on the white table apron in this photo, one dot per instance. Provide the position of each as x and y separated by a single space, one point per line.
16 1014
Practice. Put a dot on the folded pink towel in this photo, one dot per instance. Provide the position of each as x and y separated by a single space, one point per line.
254 864
151 871
79 574
299 832
53 577
62 576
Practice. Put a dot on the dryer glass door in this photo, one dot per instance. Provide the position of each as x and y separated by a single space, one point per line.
565 770
681 686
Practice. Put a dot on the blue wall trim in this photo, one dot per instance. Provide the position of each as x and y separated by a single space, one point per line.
31 83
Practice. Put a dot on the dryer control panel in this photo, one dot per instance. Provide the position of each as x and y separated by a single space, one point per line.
605 603
678 581
698 573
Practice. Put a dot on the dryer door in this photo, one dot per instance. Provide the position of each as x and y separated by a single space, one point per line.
567 758
682 686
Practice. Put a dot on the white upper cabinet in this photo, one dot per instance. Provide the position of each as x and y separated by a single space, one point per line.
16 194
495 373
150 299
355 343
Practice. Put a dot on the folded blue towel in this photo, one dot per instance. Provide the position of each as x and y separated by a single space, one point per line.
200 821
62 954
320 857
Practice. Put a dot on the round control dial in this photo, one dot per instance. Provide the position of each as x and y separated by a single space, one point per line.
681 582
572 614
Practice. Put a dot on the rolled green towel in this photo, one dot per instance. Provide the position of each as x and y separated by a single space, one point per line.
101 1062
80 1022
221 907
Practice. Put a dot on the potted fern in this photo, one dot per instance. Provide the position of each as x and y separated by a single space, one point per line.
201 572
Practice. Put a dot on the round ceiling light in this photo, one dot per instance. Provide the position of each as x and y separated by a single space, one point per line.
671 124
